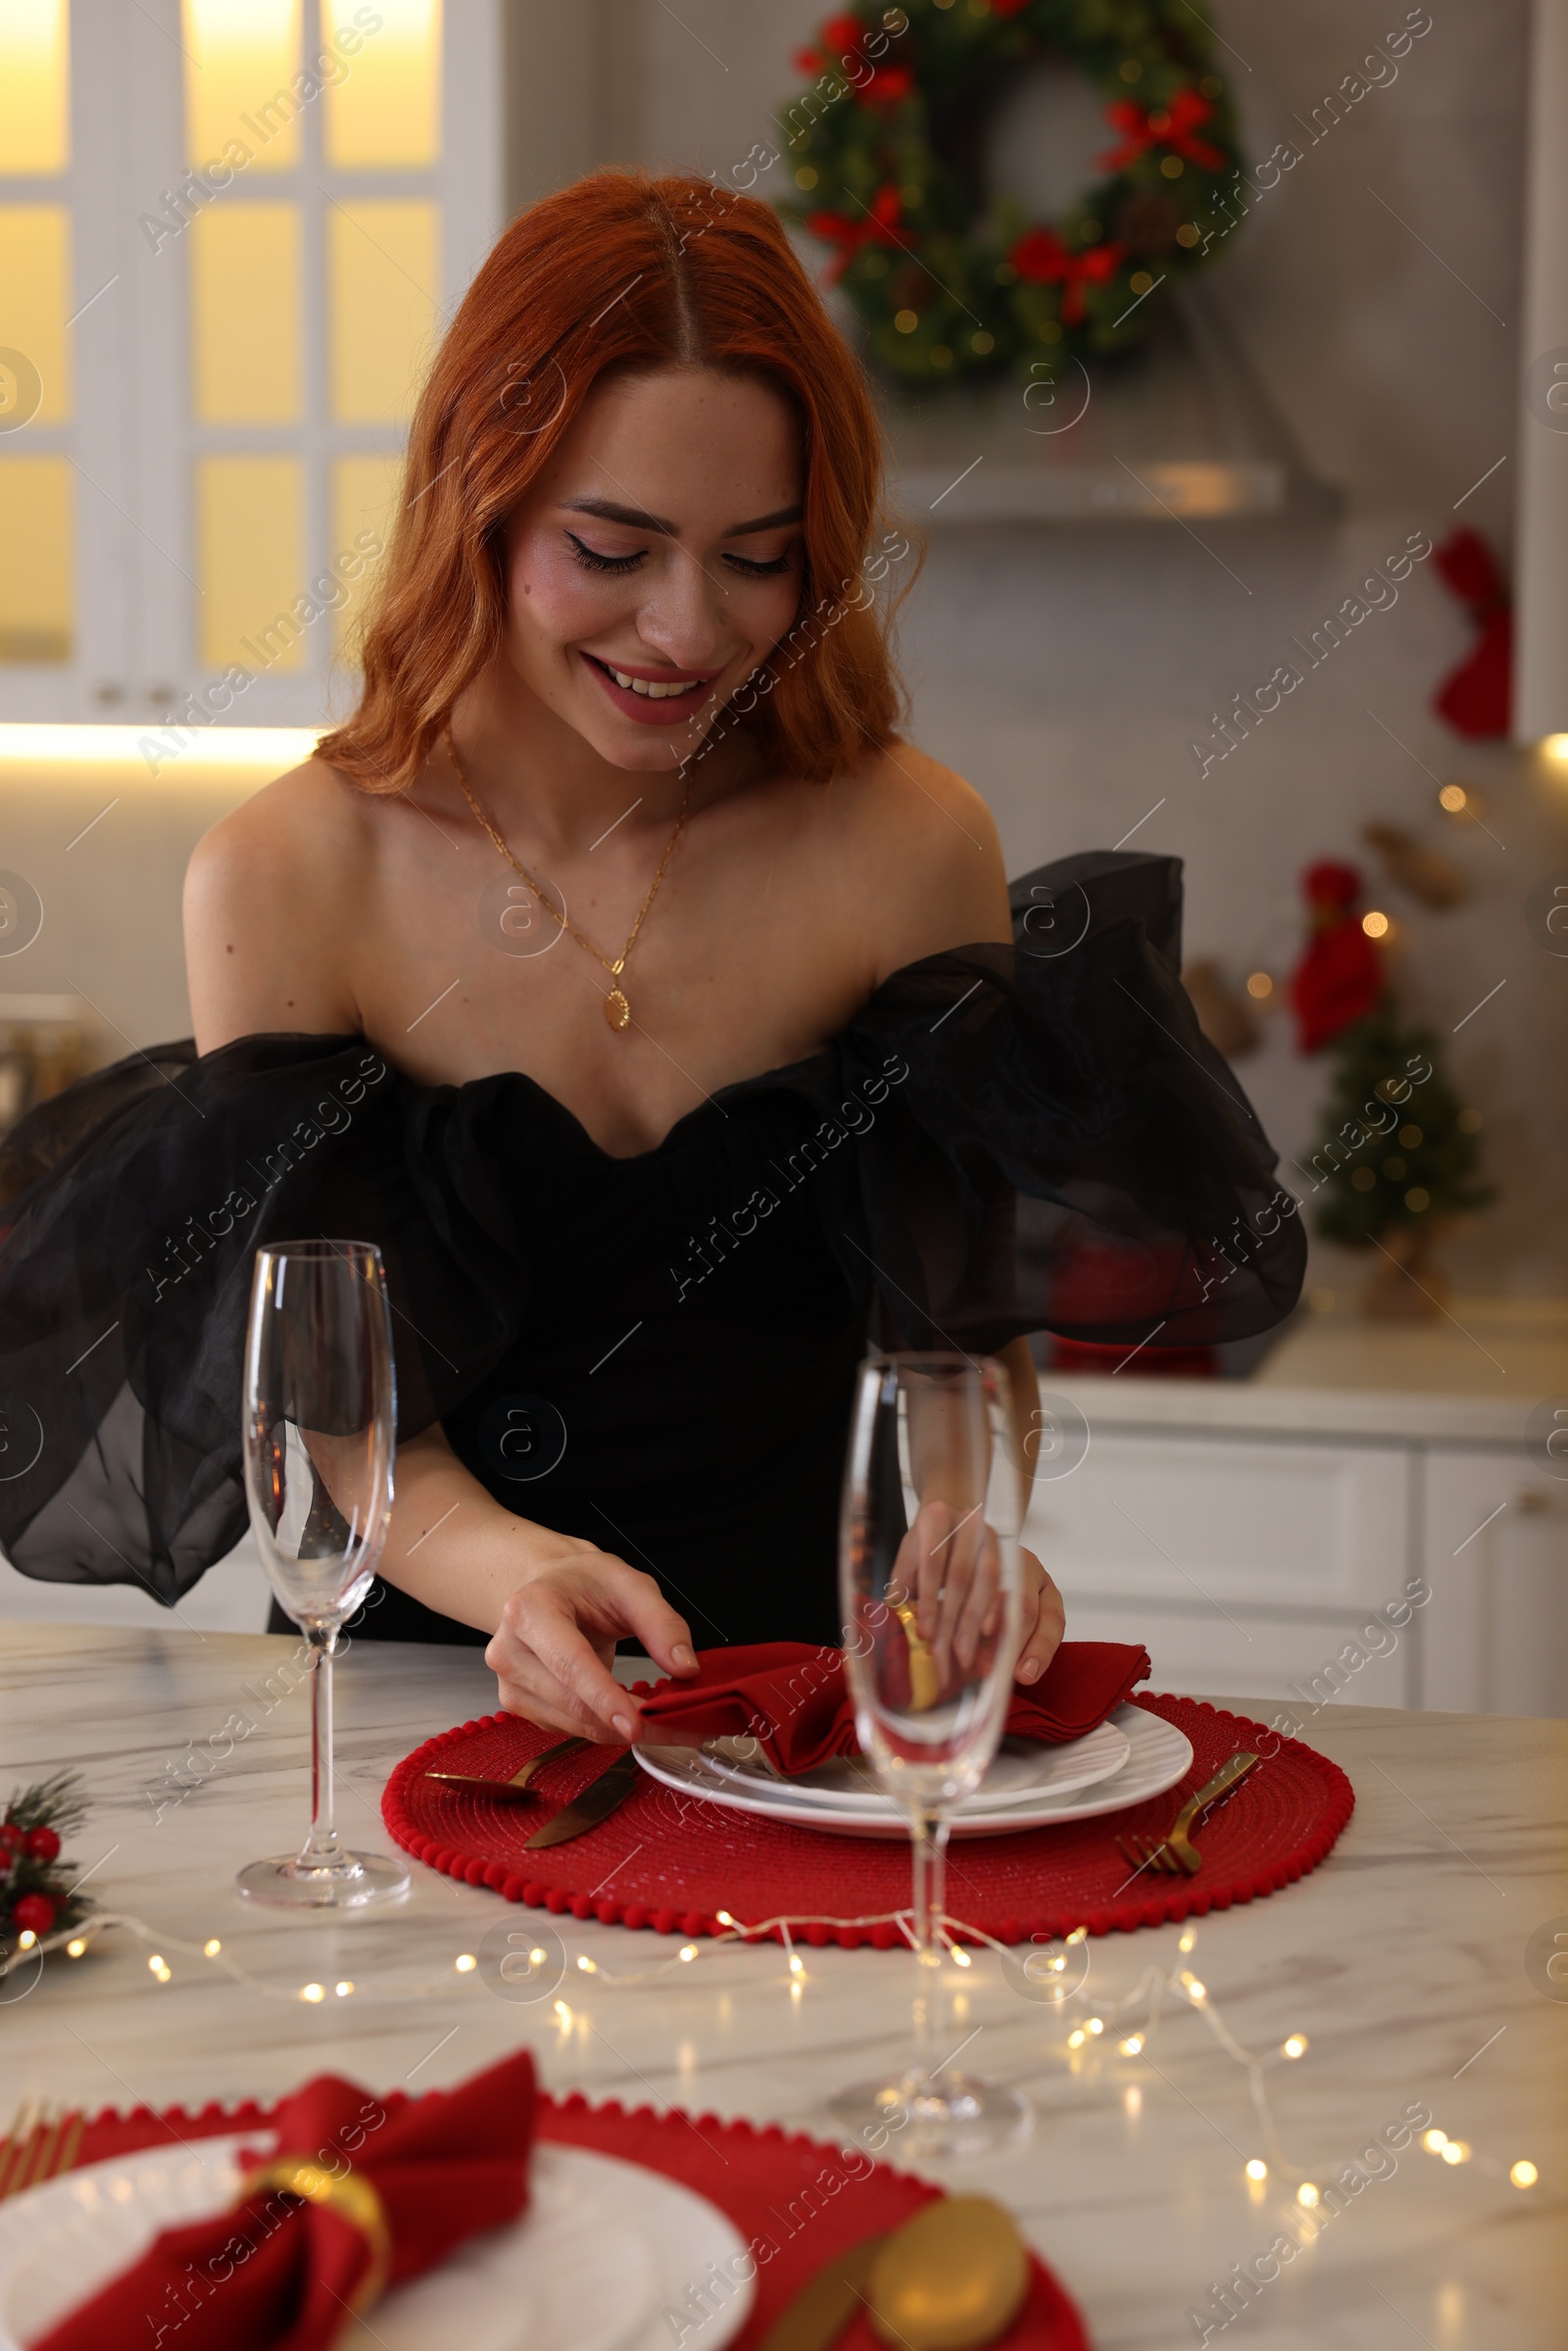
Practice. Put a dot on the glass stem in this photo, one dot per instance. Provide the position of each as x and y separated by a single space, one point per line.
322 1848
930 1834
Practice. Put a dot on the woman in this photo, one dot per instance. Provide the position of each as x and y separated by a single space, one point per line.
621 971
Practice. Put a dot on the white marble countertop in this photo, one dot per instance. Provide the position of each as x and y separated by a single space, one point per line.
1402 1959
1470 1375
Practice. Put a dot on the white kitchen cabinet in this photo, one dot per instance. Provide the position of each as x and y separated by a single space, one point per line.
1496 1553
1255 1532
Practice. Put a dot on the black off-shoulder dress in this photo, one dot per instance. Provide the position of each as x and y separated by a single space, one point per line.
655 1352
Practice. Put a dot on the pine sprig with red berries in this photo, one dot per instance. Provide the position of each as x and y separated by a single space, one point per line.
37 1896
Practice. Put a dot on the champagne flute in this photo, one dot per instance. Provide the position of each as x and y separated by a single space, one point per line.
930 1579
319 1436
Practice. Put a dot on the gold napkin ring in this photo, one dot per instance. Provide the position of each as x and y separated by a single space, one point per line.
350 2195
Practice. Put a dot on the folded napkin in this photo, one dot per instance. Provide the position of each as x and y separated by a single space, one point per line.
383 2193
794 1702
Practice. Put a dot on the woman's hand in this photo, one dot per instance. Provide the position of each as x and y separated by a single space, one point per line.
551 1650
1044 1618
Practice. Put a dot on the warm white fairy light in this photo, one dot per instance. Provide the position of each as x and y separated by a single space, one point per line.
687 1951
586 1964
27 1938
1257 2168
1307 2194
723 1918
1188 1941
1458 2150
1131 2046
563 2013
1097 2023
76 1947
1076 2038
313 1992
343 1988
1524 2174
1434 2142
465 1963
797 1964
211 1947
1297 2046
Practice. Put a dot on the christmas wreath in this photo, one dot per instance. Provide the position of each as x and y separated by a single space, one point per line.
887 146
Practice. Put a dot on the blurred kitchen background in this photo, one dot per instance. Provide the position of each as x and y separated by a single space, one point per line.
204 390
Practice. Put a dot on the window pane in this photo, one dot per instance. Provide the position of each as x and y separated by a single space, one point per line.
251 550
35 579
383 269
385 112
34 86
366 491
35 286
243 81
245 313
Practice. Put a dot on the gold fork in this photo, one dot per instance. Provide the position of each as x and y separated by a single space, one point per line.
38 2146
1175 1852
517 1784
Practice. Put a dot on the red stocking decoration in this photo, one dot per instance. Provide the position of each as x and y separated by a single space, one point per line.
1339 978
1477 698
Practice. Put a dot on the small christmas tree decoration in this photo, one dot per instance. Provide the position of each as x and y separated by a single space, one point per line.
1400 1154
36 1893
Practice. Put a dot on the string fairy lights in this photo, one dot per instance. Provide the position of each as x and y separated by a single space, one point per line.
1127 2025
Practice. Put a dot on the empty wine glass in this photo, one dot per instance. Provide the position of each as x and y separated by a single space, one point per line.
319 1437
930 1577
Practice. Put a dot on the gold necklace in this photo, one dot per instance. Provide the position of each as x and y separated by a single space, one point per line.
618 1005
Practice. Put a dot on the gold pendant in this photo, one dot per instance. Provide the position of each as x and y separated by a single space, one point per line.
617 1011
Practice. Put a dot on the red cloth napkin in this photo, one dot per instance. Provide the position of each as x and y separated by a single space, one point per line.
276 2274
793 1699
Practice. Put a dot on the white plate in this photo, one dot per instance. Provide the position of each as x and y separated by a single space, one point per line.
603 2251
1158 1757
1023 1772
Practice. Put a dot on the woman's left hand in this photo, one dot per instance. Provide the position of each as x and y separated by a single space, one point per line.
1044 1618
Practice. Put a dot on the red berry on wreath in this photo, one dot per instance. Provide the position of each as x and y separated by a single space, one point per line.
11 1839
42 1844
34 1914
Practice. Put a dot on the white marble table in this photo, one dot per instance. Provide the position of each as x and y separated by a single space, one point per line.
1401 1960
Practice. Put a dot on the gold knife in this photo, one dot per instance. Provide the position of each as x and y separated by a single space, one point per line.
597 1800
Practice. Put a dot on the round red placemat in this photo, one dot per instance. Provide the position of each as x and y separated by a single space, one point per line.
797 2201
671 1862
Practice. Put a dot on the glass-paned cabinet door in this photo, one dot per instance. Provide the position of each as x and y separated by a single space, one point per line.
230 232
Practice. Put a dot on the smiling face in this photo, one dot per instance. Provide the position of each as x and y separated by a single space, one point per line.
657 561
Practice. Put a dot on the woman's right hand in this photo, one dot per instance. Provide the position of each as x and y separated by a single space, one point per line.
552 1652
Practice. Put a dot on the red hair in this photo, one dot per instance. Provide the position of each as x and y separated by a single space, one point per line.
625 271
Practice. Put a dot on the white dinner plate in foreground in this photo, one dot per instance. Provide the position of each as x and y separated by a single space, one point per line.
1022 1772
603 2249
1158 1757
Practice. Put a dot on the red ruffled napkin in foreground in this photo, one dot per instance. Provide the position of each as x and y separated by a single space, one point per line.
278 2275
793 1699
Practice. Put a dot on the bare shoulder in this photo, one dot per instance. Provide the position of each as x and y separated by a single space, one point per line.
266 893
926 848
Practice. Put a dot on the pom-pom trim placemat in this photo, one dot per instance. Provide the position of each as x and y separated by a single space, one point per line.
797 2201
671 1862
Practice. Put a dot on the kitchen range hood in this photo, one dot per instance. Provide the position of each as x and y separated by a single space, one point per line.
1180 430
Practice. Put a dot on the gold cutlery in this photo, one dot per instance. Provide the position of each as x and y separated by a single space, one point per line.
1175 1852
38 2148
951 2279
597 1800
517 1784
